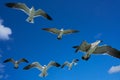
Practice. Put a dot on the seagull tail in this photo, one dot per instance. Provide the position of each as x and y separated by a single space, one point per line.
43 75
30 20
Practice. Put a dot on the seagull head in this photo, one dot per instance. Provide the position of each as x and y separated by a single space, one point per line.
75 64
97 42
61 29
44 66
32 8
16 62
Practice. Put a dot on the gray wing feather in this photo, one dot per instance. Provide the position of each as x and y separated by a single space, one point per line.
33 65
84 46
40 12
53 63
23 60
20 6
65 64
109 50
70 31
52 30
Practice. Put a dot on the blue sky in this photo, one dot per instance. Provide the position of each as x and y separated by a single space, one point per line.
95 19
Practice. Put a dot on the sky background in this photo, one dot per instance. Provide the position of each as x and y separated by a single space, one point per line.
95 19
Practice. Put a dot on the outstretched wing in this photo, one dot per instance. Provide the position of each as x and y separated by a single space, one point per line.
40 12
33 65
20 6
69 31
53 63
84 46
52 30
107 49
23 60
9 60
66 63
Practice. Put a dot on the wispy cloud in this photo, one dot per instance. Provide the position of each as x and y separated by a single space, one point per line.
5 32
98 36
114 69
3 74
1 68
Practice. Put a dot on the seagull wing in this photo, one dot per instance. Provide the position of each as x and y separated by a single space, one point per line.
23 60
107 49
53 63
40 12
52 30
20 6
9 60
70 31
66 63
84 46
34 65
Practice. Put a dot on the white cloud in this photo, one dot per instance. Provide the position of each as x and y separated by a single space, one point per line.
4 32
114 69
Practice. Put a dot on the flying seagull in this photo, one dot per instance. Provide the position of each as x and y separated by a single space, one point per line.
66 63
60 32
16 63
43 69
93 48
31 12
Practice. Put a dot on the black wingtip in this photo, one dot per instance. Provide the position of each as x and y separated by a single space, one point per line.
48 17
58 65
75 46
77 31
62 66
7 60
44 28
26 68
26 60
11 5
77 59
4 61
76 50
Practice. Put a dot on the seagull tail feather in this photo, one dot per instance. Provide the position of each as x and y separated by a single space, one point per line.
30 20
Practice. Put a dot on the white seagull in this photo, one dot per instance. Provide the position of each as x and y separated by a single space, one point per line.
16 63
43 69
31 12
60 32
93 48
66 63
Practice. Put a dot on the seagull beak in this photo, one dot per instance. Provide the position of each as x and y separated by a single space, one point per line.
101 40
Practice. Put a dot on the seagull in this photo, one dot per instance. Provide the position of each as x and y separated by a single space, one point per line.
60 32
31 12
93 48
66 63
16 63
43 69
